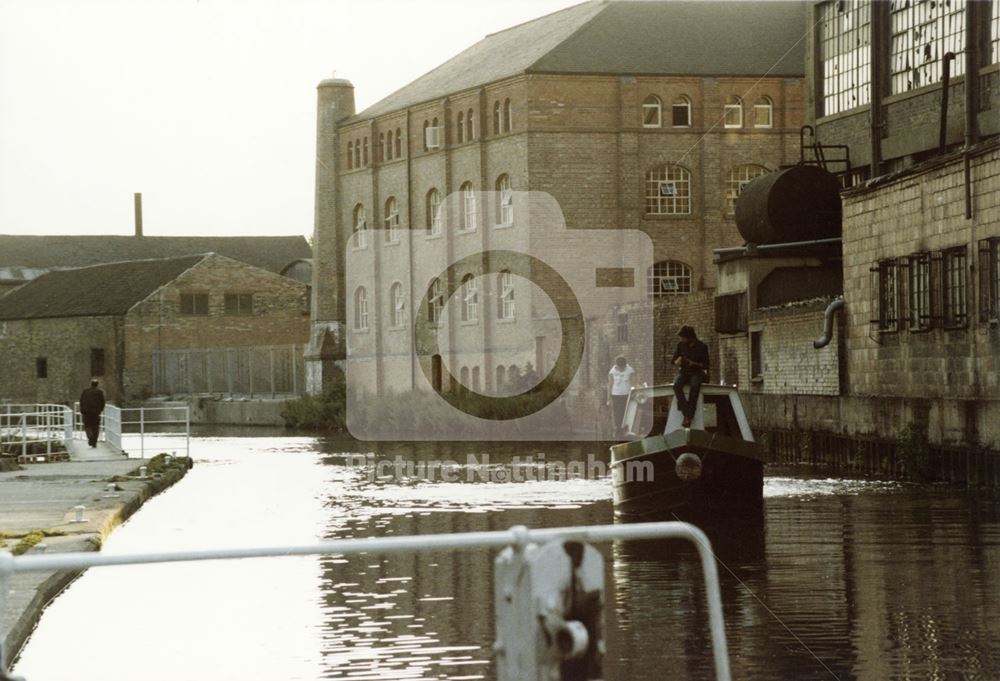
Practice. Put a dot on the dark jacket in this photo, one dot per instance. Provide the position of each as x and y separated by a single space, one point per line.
92 401
697 352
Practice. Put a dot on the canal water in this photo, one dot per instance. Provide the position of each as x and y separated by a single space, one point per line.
840 579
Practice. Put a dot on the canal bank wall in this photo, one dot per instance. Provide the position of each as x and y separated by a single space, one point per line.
43 497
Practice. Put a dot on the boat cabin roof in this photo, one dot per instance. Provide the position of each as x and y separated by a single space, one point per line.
652 410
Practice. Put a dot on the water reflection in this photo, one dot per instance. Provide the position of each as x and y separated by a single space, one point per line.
837 579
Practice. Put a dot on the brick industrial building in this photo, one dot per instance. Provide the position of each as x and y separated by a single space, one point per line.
630 114
114 322
911 373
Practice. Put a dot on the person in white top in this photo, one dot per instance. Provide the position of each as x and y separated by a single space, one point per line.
620 382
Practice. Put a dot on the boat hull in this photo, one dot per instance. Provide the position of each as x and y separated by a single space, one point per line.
647 484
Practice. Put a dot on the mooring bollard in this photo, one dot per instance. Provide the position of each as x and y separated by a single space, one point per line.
79 514
549 612
142 471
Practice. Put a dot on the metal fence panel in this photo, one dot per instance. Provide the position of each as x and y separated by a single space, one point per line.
255 370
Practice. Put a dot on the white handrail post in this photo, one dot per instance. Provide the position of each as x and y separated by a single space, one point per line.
24 435
142 432
187 431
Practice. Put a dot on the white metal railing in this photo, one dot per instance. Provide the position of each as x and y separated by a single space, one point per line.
518 536
118 422
27 428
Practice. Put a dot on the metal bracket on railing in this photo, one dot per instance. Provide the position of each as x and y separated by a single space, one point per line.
552 573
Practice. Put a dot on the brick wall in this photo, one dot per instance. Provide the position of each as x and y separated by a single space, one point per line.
789 362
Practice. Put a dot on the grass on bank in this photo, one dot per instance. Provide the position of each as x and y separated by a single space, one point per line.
27 540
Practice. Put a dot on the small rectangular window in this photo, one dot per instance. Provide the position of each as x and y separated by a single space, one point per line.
194 303
41 367
97 361
239 303
756 355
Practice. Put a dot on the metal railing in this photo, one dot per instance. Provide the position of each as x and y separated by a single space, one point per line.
27 429
518 536
119 422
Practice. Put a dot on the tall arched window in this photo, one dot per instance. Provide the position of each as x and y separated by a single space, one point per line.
501 374
364 153
388 145
763 113
668 278
505 296
733 114
668 190
681 112
652 112
739 177
470 299
460 127
360 227
381 147
505 203
426 126
496 117
399 143
508 116
350 155
391 221
398 303
468 208
463 376
476 385
357 153
470 128
360 309
434 218
435 301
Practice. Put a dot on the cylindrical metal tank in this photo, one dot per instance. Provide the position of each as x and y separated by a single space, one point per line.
800 203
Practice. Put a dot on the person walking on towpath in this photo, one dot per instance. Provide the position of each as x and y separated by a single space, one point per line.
91 406
691 357
620 382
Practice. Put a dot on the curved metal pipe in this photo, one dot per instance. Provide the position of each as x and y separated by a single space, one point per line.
824 340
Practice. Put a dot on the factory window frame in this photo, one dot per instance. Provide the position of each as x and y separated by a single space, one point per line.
398 302
361 309
989 279
470 299
399 143
460 127
681 112
668 190
921 33
652 112
505 205
955 290
435 301
360 240
508 116
97 357
238 303
668 278
434 217
194 304
391 221
919 292
845 55
886 283
505 296
41 367
763 113
468 208
733 112
739 177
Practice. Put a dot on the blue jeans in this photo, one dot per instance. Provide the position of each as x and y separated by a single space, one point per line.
694 379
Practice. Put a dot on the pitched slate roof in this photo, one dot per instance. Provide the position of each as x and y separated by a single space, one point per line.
626 37
100 290
271 253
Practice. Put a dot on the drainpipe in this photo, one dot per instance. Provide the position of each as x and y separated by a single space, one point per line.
824 340
971 96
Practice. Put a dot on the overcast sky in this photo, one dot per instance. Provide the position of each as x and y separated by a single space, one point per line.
206 107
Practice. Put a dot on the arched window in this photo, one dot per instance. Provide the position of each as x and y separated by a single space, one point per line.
350 155
381 147
505 295
763 113
505 204
360 309
668 278
733 114
435 301
391 221
470 299
470 128
364 153
463 376
739 177
501 374
434 218
668 190
652 113
476 385
681 112
468 208
508 116
460 127
496 117
398 303
360 227
357 153
399 143
388 145
426 126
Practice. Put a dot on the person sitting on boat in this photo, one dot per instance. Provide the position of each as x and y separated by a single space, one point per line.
620 382
691 358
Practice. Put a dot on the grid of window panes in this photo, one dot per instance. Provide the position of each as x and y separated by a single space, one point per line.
995 31
469 208
651 112
361 309
194 303
920 291
391 221
470 299
505 213
845 55
435 301
668 278
238 303
739 177
360 227
955 287
923 31
668 191
398 304
506 295
888 307
434 217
